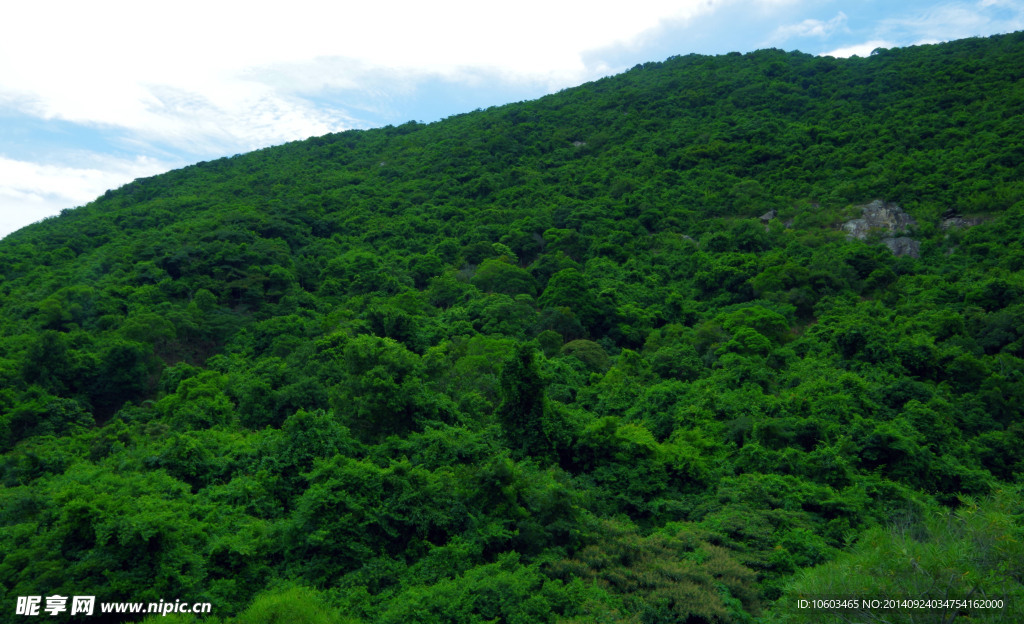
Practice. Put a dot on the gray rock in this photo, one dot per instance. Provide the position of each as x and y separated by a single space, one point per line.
879 215
768 216
903 246
960 222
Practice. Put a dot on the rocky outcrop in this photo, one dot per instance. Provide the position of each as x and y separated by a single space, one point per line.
960 222
903 246
767 218
879 215
953 219
886 217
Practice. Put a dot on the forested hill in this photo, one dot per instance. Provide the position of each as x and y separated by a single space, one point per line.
685 344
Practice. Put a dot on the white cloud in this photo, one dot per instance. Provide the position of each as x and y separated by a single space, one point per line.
200 71
810 28
938 22
860 49
218 77
242 116
31 191
957 20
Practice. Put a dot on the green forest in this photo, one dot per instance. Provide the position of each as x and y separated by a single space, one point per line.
689 344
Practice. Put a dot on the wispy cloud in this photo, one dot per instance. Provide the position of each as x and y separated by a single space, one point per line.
956 20
929 23
810 28
213 69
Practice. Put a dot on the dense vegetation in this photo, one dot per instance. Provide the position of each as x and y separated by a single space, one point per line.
543 362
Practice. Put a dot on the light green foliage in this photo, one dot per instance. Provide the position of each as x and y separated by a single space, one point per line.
198 402
300 605
670 576
503 591
381 391
106 533
348 501
973 552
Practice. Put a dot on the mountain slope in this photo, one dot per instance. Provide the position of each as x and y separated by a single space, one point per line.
607 354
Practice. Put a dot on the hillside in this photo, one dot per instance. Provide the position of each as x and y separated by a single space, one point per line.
621 354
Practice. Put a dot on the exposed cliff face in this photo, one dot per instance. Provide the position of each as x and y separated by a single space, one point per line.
961 222
887 217
879 215
903 246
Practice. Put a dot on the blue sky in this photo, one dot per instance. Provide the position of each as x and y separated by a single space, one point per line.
96 94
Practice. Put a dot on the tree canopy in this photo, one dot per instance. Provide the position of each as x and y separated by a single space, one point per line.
606 356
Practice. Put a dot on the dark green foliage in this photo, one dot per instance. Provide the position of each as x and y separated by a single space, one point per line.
590 353
524 414
607 356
